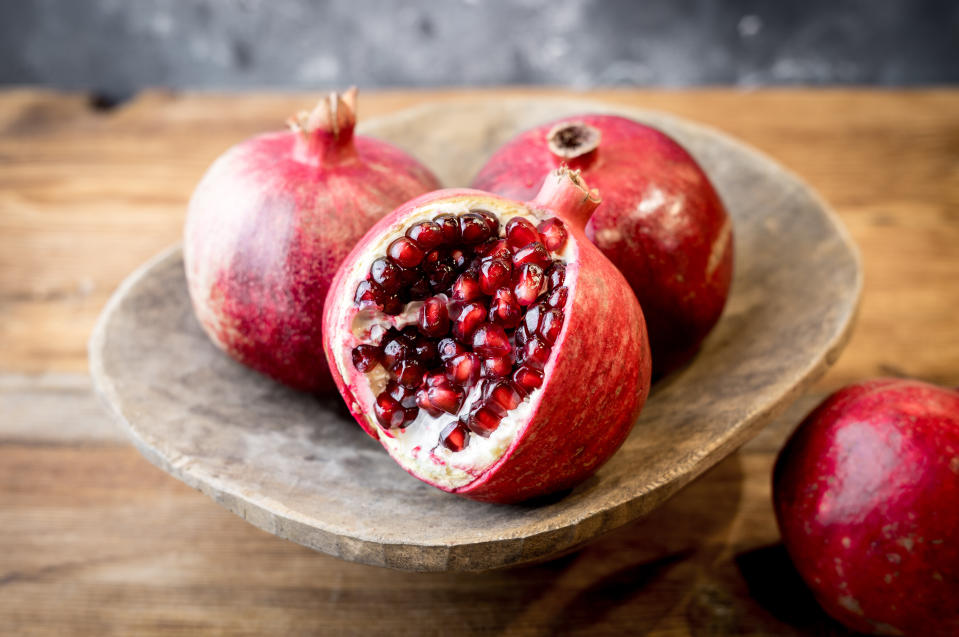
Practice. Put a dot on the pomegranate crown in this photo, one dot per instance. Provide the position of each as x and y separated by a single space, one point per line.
335 114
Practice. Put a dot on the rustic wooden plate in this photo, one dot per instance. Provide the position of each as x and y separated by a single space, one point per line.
299 467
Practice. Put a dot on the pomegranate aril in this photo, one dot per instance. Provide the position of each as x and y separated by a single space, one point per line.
366 357
528 283
520 233
419 290
405 252
534 254
396 347
434 318
557 298
463 369
550 326
445 398
449 228
495 250
448 348
409 373
532 318
455 436
527 379
492 221
494 273
466 288
554 234
386 274
490 340
458 258
520 337
536 353
484 421
425 351
368 294
470 317
441 277
404 395
425 234
392 305
556 274
503 309
435 377
504 395
423 401
497 366
473 228
389 413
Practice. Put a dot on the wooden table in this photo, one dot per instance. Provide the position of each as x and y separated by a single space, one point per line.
94 540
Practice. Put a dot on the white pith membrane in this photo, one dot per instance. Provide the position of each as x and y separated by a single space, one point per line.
417 446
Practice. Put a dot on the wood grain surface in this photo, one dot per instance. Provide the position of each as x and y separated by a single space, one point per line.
94 540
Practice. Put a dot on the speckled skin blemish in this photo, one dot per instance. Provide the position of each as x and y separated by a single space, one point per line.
596 382
661 223
269 224
878 540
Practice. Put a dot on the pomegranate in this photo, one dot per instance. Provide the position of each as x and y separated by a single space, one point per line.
270 222
661 222
486 363
865 493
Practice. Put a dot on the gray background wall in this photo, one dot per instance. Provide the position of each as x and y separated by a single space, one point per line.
116 47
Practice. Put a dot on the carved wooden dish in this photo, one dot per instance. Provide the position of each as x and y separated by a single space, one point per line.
300 468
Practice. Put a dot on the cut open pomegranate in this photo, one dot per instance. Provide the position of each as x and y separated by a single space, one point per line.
486 363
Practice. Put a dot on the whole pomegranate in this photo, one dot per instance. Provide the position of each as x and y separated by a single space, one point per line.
866 493
270 222
493 351
661 222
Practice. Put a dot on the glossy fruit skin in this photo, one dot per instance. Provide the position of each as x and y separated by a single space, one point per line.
575 428
269 224
661 223
866 493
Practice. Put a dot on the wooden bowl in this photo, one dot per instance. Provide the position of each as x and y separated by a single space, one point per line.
300 468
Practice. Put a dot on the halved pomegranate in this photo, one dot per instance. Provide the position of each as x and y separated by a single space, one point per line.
489 364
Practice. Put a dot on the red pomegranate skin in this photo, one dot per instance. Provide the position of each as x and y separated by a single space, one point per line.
595 390
268 226
866 493
661 223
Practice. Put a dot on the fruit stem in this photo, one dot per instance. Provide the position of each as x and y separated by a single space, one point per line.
565 193
570 140
326 132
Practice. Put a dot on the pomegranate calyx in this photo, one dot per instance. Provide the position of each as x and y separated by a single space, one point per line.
565 192
326 130
569 140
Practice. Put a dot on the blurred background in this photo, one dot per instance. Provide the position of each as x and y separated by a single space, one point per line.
116 47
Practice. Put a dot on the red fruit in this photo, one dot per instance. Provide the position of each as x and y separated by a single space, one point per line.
520 233
494 273
534 253
269 224
530 427
865 493
661 222
434 317
553 234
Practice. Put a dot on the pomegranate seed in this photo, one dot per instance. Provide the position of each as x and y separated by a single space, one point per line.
448 348
434 318
426 234
390 414
556 275
503 309
419 290
406 397
504 395
534 253
491 340
496 250
392 305
466 288
445 398
536 353
520 233
436 378
528 283
528 378
396 348
473 228
366 357
423 401
377 332
557 297
554 234
532 319
449 227
494 273
520 337
424 350
386 274
409 373
458 257
441 277
463 369
432 259
550 326
405 253
470 317
455 436
368 295
497 367
484 421
492 221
